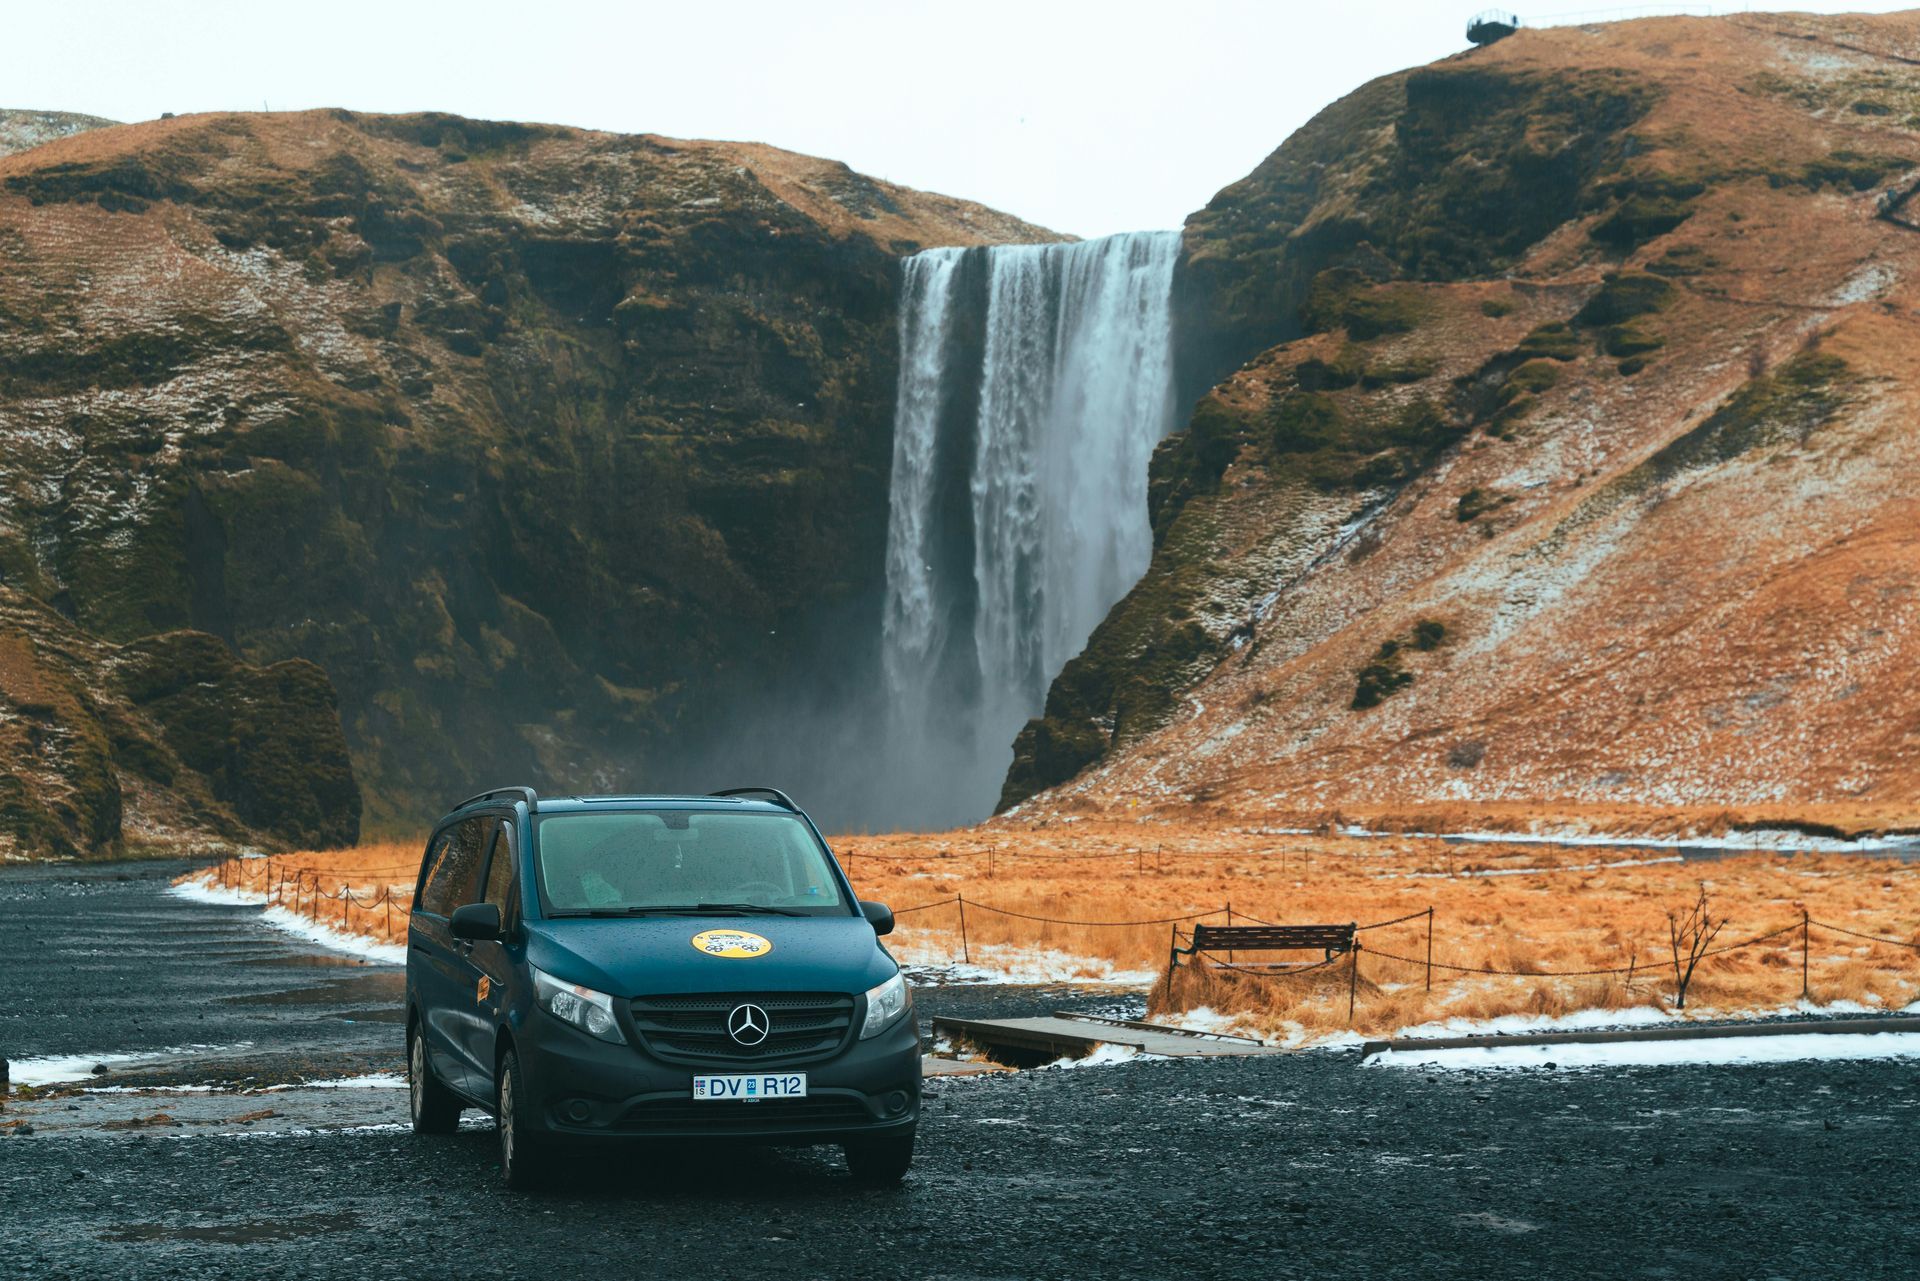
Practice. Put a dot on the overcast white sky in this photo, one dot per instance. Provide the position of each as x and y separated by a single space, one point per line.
1085 117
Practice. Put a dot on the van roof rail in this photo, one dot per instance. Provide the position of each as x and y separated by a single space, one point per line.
527 794
780 798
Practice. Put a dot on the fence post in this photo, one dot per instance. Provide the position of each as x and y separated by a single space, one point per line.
1806 931
1353 981
966 953
346 901
1230 957
1429 947
386 901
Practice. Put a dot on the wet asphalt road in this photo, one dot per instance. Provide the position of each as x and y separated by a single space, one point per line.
1280 1167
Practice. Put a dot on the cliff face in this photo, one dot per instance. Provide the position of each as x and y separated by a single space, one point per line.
171 744
1560 464
531 438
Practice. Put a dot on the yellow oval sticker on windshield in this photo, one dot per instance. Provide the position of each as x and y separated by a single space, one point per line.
733 943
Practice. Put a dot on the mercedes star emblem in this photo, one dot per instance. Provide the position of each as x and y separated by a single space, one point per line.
747 1024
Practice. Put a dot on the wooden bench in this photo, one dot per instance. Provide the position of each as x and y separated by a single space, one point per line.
1329 940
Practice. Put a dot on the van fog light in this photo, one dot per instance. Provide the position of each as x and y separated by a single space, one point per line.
896 1102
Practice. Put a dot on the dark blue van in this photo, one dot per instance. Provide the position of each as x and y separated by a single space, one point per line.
602 968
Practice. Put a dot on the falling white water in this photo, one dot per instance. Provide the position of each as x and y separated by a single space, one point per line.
1035 381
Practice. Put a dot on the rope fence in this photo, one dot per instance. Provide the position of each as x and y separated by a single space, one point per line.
302 889
1805 926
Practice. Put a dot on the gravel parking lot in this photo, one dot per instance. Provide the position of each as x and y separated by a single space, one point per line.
1286 1166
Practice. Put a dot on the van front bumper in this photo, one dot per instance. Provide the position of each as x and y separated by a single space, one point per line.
587 1089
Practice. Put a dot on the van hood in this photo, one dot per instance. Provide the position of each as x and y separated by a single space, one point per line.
657 956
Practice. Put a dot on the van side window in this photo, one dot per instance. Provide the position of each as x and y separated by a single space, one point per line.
500 871
455 877
436 853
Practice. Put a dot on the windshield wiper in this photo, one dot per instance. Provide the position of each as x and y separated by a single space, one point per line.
745 908
696 909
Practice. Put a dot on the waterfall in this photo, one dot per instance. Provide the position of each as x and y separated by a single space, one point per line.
1035 381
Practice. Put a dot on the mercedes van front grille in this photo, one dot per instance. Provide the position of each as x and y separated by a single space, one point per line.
799 1027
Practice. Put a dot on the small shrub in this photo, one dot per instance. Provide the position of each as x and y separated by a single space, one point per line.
1477 502
1306 422
1630 339
1410 371
1683 260
1496 307
1343 298
1530 379
1553 341
1386 674
1844 170
1623 296
1344 370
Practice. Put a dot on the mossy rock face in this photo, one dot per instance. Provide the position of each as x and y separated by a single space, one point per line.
1442 173
172 745
1644 207
267 740
1342 298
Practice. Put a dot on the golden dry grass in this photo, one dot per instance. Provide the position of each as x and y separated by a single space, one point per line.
1532 909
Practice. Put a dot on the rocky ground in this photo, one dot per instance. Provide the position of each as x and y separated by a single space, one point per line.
1302 1164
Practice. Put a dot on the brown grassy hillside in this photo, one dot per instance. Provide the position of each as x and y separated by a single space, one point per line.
1578 483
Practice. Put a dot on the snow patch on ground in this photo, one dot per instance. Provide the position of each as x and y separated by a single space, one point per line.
360 945
1532 871
370 1081
1749 840
1716 1052
200 891
1104 1054
1010 966
58 1069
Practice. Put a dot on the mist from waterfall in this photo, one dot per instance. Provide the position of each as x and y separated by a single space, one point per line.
1035 381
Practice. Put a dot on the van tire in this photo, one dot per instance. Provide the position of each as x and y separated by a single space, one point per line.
431 1105
524 1163
879 1162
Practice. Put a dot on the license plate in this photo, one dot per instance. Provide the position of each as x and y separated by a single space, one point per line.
740 1087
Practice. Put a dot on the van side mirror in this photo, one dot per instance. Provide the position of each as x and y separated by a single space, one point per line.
476 922
879 915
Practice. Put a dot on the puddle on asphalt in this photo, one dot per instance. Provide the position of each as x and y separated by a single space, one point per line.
382 987
303 960
243 1232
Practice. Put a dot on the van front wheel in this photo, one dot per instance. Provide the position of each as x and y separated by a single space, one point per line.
523 1160
879 1162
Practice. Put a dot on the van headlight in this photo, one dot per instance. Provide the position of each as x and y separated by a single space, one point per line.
586 1009
885 1004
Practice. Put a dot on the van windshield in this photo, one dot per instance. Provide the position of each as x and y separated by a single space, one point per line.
671 861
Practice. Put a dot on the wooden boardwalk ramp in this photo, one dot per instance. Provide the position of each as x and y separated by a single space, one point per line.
1027 1042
